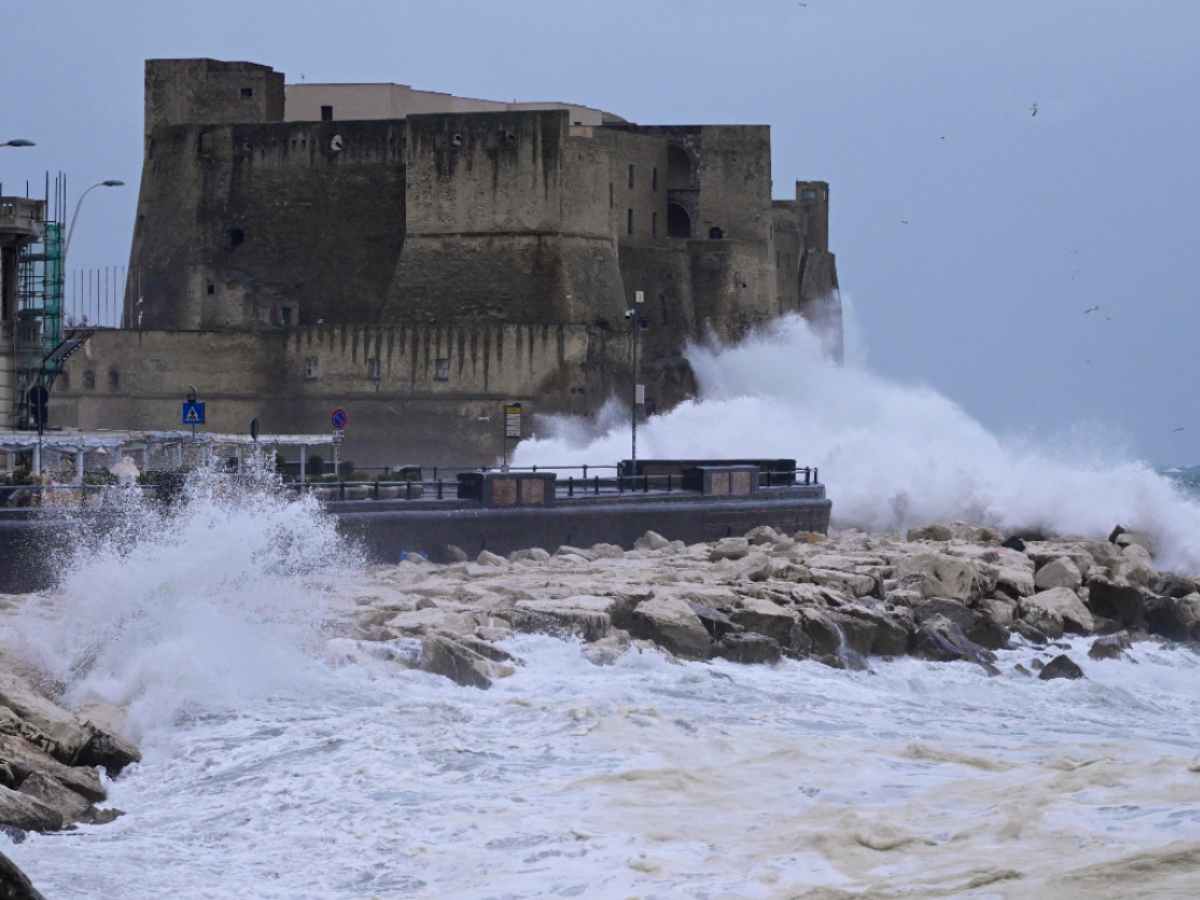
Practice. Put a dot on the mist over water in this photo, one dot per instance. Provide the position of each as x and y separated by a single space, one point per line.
192 608
892 455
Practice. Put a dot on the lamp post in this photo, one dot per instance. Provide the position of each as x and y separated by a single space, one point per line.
112 182
18 142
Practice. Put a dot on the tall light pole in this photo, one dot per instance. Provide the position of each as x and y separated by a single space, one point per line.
18 142
112 182
636 324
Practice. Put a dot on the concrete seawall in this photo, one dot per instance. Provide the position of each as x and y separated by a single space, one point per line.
33 542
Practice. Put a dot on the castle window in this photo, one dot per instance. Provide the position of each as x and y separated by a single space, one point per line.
441 370
114 379
629 221
679 169
716 234
89 379
654 179
326 113
212 288
247 93
654 224
631 176
374 372
285 316
808 195
236 237
312 368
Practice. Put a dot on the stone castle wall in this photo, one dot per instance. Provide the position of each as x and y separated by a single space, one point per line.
470 233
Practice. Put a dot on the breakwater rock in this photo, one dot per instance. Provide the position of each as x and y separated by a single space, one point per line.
946 592
51 758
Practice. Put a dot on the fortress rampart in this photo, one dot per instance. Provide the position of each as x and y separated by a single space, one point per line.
431 256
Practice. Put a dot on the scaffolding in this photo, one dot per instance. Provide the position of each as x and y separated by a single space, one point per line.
39 345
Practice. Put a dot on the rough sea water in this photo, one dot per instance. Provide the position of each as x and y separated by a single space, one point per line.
284 760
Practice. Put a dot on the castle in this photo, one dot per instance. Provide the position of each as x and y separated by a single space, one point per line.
417 258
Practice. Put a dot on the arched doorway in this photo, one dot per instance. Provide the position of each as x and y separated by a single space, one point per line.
679 223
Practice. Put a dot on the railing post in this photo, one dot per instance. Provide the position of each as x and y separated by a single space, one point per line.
645 484
407 490
585 471
376 488
668 482
439 482
816 475
341 490
435 476
596 480
570 485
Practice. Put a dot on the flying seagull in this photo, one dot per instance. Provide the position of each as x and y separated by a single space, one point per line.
1033 110
1091 309
904 221
1177 429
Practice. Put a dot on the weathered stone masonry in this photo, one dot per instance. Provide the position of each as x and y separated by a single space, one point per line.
429 258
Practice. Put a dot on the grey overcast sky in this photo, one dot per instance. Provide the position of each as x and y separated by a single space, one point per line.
971 235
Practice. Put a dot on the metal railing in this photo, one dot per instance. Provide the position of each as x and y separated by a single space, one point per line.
584 485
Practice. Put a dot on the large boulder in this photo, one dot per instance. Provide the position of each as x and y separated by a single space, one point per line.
1121 601
1175 618
28 813
1062 666
1057 610
1061 572
940 639
1110 646
764 617
670 622
651 540
1043 553
463 664
729 548
854 583
535 555
584 615
748 648
14 884
935 532
975 625
941 575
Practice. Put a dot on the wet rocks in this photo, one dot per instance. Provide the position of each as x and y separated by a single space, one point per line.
1111 646
1057 610
942 640
50 760
748 648
1059 573
1062 666
14 885
839 599
651 540
729 548
670 621
460 662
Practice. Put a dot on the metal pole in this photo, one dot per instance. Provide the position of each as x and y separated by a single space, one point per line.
303 462
633 408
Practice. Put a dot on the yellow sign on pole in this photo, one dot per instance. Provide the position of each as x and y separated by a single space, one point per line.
512 420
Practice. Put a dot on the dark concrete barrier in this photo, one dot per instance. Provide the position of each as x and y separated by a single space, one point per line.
33 542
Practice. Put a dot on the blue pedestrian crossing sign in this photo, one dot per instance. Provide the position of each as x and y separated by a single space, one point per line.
193 413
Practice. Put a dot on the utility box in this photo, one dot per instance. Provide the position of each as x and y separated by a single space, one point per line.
722 481
507 489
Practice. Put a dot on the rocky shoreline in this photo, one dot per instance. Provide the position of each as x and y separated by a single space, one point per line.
50 764
944 592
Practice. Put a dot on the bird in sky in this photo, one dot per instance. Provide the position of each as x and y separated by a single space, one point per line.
1177 429
1091 309
904 221
1033 110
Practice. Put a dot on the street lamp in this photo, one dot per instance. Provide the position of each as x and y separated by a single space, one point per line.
18 142
112 182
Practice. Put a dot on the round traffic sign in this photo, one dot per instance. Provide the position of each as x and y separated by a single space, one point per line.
340 419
